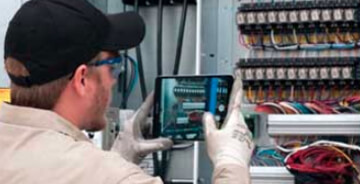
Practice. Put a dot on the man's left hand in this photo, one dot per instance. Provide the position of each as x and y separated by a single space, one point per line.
131 144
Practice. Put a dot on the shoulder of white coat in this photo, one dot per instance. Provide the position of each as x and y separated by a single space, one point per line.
107 166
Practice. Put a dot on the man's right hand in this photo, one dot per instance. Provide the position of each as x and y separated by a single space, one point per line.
233 143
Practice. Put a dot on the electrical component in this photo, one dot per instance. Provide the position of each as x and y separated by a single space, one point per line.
313 25
291 73
249 74
303 73
240 18
270 73
349 14
338 14
298 68
293 16
335 72
283 16
346 72
313 73
280 73
304 16
251 18
272 17
315 15
260 73
326 15
324 73
261 17
302 78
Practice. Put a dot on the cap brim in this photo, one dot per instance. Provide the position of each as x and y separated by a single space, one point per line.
127 30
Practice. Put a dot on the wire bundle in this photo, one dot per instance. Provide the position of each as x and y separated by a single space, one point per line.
349 105
322 162
134 75
267 157
322 93
292 40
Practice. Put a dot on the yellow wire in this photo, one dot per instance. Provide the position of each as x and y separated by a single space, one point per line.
346 156
260 99
301 39
266 39
248 94
355 36
246 39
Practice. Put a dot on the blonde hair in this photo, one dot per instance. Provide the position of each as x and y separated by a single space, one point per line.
38 96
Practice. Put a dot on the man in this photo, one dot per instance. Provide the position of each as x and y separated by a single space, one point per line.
60 57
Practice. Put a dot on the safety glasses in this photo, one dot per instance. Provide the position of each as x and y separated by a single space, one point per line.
115 64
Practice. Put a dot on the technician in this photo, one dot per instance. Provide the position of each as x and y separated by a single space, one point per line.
60 57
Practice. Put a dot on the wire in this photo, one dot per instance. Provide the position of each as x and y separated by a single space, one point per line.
134 78
292 93
275 45
124 78
140 63
159 38
249 94
288 108
180 38
330 144
276 106
321 143
315 47
343 46
320 163
242 41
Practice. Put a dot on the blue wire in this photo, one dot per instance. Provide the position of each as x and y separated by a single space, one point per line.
317 47
303 109
133 82
343 46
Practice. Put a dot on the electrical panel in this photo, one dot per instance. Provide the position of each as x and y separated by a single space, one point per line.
306 25
302 70
274 79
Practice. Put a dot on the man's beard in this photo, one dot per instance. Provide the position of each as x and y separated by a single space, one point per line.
97 112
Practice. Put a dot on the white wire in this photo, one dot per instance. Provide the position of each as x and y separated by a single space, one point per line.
291 47
276 106
289 107
318 143
295 37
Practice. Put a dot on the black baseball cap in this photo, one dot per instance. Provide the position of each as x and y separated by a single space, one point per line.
53 37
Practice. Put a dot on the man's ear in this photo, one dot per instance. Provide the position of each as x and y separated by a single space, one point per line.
80 80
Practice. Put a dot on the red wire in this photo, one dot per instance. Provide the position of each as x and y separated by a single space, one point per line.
312 93
280 94
320 160
241 40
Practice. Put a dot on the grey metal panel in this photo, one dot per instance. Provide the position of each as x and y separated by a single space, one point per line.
226 36
209 38
180 165
205 166
218 35
171 23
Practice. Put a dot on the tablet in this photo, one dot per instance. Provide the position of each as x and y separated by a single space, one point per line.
180 102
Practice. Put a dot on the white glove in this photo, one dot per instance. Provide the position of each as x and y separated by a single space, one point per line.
233 143
131 144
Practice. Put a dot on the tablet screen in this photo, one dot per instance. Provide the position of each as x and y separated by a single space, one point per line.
183 101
